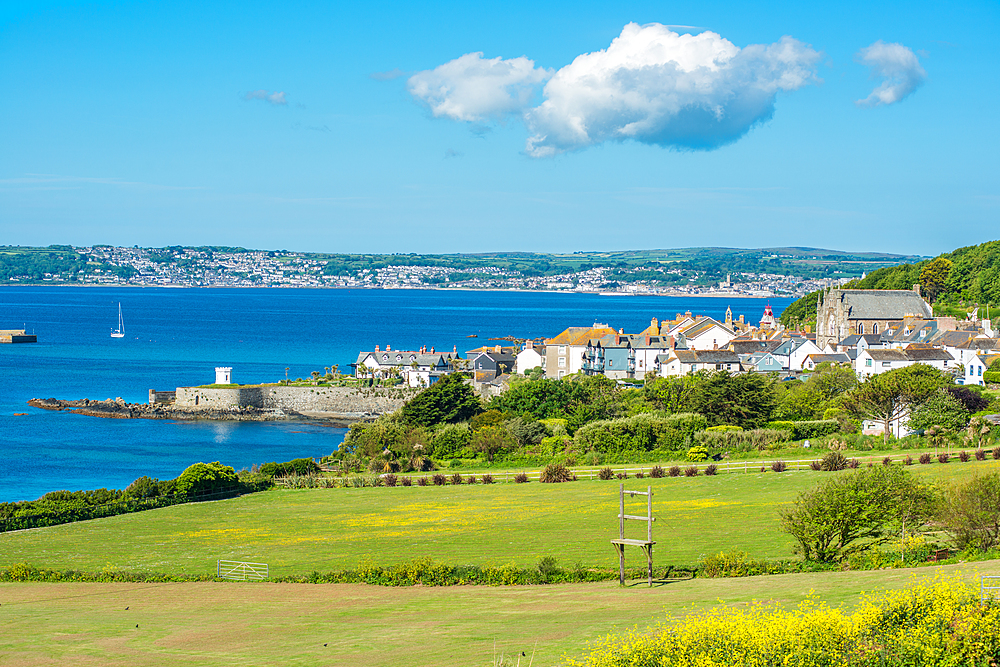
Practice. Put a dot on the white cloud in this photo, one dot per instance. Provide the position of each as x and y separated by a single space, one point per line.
899 68
471 88
277 98
660 87
651 85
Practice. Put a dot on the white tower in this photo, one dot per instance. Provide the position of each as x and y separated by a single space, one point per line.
223 375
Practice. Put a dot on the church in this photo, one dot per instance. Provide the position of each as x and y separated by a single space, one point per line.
843 312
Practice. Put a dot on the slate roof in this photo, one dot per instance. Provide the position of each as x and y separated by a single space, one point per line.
839 358
703 325
980 344
954 338
750 346
929 354
707 357
854 339
887 355
407 358
883 304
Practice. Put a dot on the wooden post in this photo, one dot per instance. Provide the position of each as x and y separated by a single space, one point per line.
649 535
621 534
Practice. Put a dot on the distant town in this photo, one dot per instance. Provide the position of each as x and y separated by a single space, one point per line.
750 273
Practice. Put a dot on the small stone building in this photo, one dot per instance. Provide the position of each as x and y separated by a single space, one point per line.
843 312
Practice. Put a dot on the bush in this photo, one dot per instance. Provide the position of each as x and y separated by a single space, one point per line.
206 478
855 511
943 457
640 475
656 472
642 432
555 473
853 464
887 461
406 481
779 466
996 453
971 513
422 481
144 487
487 479
691 471
449 400
622 475
980 454
907 460
964 456
390 480
711 469
834 461
806 429
288 468
605 473
742 441
674 471
471 479
722 428
925 458
697 453
815 465
456 479
439 479
521 478
451 440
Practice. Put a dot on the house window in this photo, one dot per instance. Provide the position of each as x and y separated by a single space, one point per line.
385 357
611 362
562 349
399 357
562 362
980 371
861 328
874 328
868 362
886 363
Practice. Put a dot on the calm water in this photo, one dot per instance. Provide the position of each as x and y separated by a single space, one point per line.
176 337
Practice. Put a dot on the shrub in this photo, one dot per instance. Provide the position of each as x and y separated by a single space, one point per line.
855 511
406 481
834 461
422 481
439 479
996 453
806 429
779 466
456 478
943 457
657 472
390 480
605 473
980 454
697 453
971 513
691 471
853 464
816 465
449 399
554 473
964 456
741 441
622 475
492 440
640 475
293 467
521 478
887 461
451 440
487 479
642 432
471 479
205 478
925 458
144 487
674 471
907 460
455 463
711 469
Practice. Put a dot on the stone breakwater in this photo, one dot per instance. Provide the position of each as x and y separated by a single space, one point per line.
336 405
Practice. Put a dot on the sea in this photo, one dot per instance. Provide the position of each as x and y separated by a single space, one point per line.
176 337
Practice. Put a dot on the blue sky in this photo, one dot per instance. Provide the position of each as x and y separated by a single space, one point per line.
358 127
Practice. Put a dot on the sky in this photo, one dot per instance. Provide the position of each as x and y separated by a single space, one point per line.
517 126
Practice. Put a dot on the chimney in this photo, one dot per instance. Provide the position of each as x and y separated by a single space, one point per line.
376 348
529 344
647 340
916 288
497 348
432 349
654 323
454 349
388 348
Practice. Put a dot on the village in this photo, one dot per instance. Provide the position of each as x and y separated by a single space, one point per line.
872 331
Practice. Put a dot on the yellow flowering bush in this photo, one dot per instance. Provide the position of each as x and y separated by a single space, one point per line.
938 623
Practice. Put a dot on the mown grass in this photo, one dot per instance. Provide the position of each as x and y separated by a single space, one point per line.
341 624
299 531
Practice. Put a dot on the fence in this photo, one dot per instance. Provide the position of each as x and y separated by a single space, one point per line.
989 591
235 570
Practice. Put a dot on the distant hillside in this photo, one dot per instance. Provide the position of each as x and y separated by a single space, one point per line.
972 278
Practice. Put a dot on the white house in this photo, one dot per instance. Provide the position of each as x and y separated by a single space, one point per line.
872 361
682 362
975 366
707 334
532 356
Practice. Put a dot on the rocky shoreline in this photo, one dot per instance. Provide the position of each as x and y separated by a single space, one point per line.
119 409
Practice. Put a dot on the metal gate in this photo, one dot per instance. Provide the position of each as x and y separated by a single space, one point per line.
240 571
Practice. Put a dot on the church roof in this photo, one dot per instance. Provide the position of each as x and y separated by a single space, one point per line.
876 304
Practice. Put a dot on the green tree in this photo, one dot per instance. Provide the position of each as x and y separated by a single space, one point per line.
889 396
940 409
934 277
203 478
448 400
970 513
746 399
855 510
490 440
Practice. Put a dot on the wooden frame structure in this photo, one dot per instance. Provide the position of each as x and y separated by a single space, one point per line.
647 544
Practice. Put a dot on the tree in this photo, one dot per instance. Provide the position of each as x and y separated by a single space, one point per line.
447 401
970 513
490 440
889 396
934 277
202 478
746 399
941 409
855 510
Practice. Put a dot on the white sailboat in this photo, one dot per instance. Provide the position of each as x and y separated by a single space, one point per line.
120 331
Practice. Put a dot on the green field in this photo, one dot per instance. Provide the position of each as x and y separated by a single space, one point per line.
341 624
299 531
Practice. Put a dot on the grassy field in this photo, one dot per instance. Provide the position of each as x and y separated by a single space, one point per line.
304 624
298 531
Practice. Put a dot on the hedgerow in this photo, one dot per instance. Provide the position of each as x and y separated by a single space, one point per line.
642 432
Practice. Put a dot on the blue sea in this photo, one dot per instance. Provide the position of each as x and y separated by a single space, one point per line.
176 337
